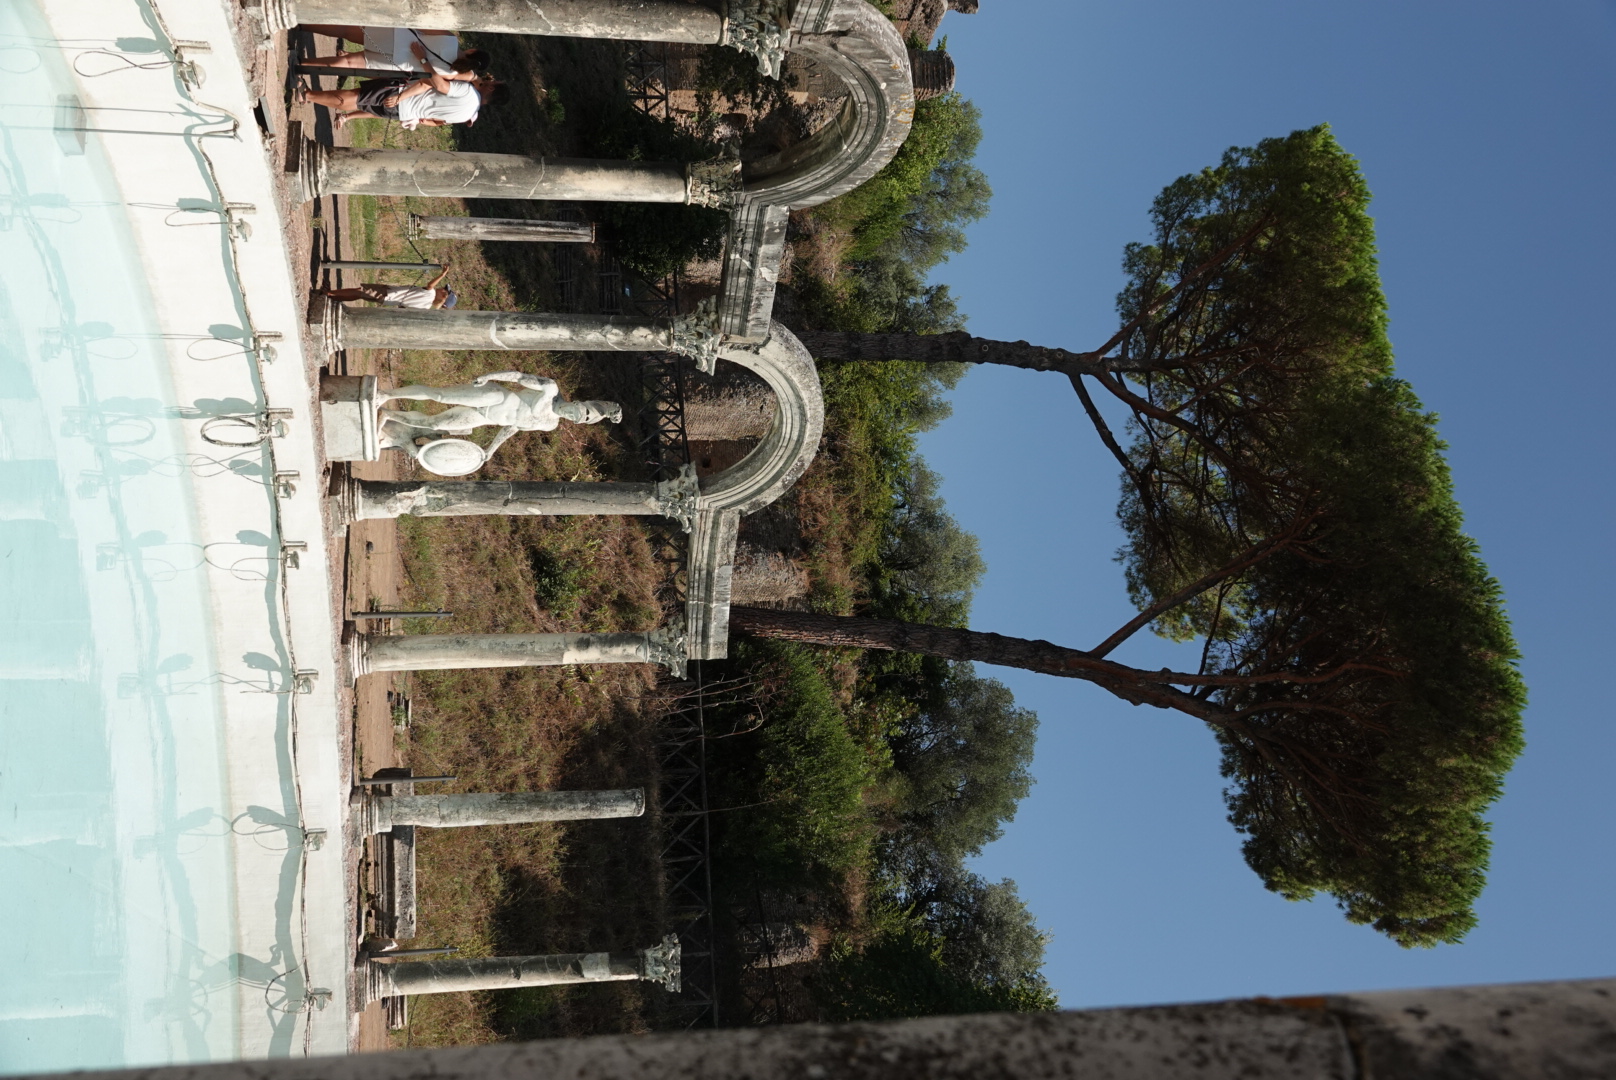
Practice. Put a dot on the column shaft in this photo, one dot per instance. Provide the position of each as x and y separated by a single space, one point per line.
465 498
518 229
467 175
439 652
409 328
458 811
501 973
624 20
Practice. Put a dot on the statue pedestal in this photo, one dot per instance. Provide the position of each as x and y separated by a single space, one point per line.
348 411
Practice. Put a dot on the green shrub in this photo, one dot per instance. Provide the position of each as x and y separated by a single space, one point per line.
801 816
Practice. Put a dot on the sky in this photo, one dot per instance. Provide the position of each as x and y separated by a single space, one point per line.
1487 133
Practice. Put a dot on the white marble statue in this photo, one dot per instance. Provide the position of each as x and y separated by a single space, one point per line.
435 439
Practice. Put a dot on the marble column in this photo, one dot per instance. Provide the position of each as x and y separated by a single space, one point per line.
380 813
383 979
523 230
760 28
439 652
622 20
348 170
353 327
363 500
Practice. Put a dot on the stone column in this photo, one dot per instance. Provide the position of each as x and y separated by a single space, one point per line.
758 27
526 230
364 500
622 20
383 979
441 652
380 813
346 170
351 327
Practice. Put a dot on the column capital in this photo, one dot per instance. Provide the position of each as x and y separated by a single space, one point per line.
697 336
714 183
677 498
760 28
661 963
272 16
668 647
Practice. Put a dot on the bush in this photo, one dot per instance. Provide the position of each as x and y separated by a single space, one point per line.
798 815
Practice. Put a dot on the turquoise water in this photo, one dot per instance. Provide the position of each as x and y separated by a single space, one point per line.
114 840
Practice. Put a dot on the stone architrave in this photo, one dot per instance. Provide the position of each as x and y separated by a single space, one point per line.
383 979
382 813
1510 1031
441 652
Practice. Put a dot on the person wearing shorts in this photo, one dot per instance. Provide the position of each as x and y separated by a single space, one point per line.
430 102
402 49
422 297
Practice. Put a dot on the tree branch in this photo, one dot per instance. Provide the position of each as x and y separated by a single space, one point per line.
1248 558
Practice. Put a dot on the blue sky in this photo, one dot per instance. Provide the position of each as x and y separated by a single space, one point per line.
1487 132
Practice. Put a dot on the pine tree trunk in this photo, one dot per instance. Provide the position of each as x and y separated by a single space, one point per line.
949 643
955 348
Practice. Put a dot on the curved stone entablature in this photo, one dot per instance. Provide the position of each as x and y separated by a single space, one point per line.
788 448
858 45
783 455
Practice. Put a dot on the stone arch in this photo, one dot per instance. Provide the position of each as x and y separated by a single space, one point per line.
854 42
779 459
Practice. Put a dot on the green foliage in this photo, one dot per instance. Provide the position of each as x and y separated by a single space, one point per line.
916 207
1378 704
988 934
905 971
654 239
875 412
961 749
905 220
927 567
807 775
927 761
558 583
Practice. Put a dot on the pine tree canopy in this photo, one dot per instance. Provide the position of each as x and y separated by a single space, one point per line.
1283 477
1286 503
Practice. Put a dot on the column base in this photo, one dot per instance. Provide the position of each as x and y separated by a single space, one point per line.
308 159
355 645
348 414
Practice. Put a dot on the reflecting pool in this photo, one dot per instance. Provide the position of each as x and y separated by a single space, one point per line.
114 826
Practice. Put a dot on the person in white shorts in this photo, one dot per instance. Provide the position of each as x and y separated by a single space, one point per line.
402 49
424 297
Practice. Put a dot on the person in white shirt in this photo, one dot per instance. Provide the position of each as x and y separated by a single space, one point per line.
425 297
430 102
402 49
